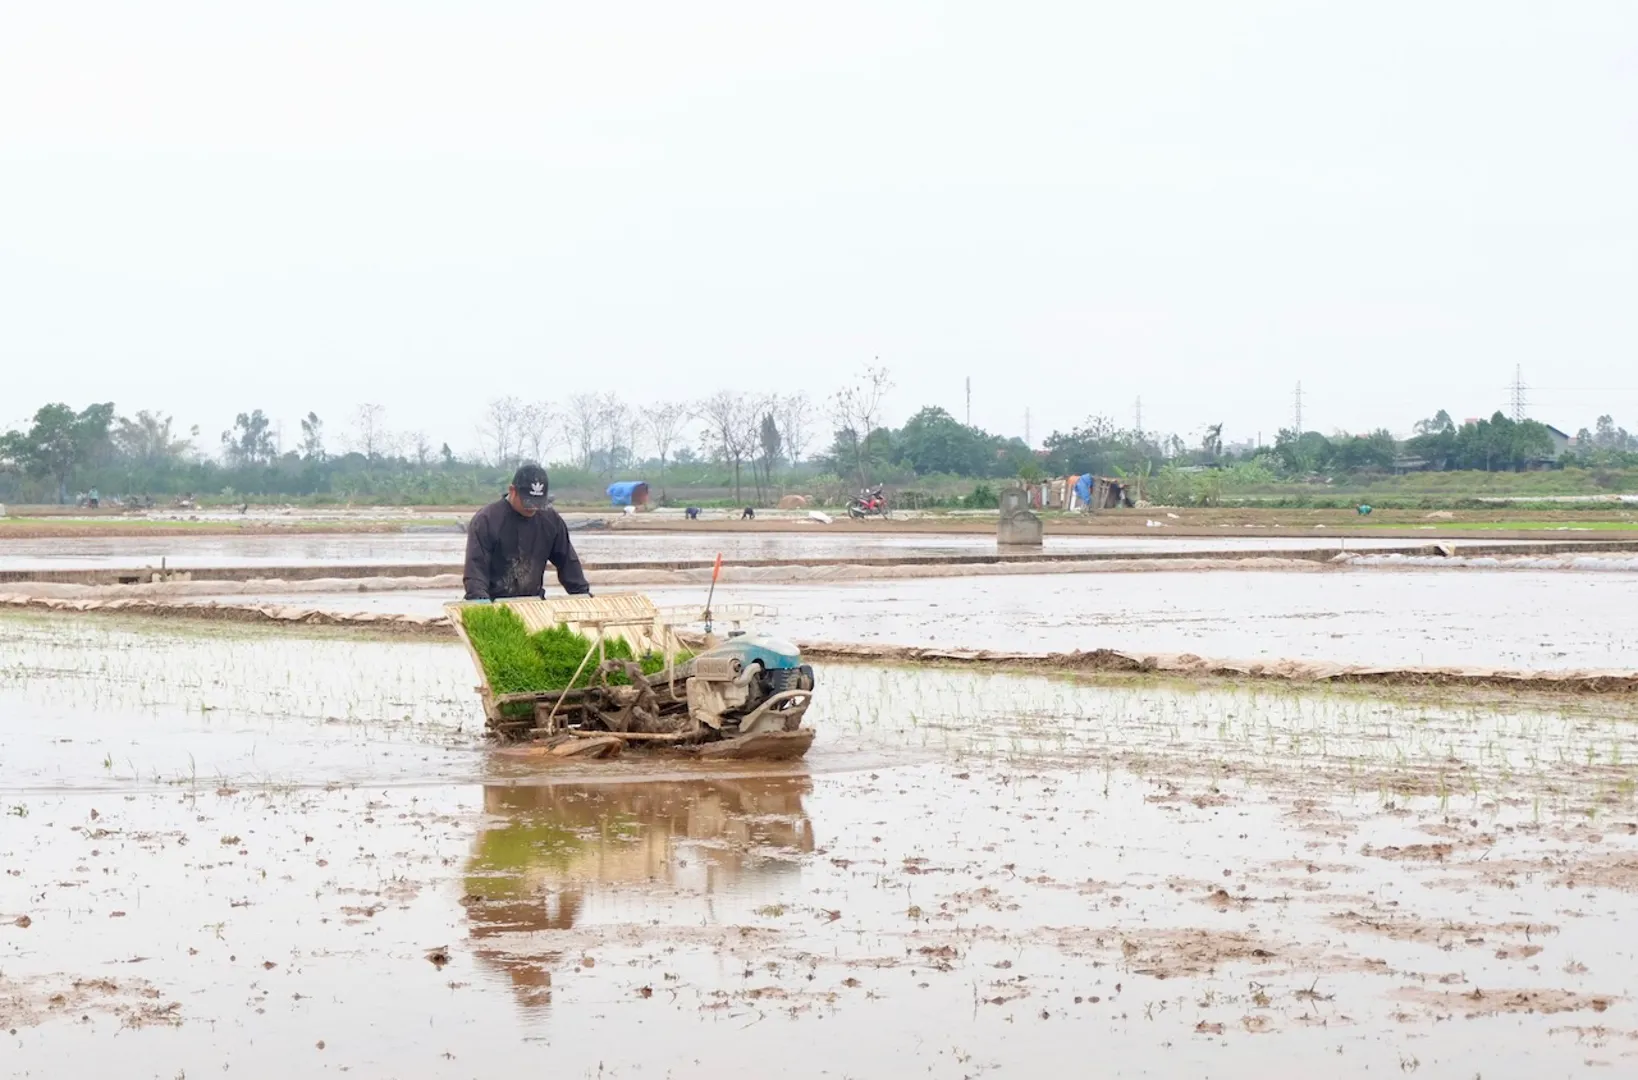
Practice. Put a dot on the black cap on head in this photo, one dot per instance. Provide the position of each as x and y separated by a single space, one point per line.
530 482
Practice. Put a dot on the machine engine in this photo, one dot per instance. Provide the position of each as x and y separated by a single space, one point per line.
752 682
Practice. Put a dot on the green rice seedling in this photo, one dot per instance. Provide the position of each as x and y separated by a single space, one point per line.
511 661
563 653
517 662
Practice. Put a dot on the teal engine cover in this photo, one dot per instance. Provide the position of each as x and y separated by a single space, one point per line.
774 654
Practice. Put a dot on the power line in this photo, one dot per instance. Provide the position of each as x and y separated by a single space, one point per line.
1587 389
1297 397
1140 417
969 401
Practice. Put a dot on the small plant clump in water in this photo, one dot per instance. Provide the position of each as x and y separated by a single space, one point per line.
517 662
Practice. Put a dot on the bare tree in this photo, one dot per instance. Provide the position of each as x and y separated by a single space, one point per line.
499 430
728 435
857 410
751 410
795 425
370 431
614 430
664 424
636 432
585 411
537 431
423 448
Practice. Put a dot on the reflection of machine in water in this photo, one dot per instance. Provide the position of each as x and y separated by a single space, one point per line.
563 845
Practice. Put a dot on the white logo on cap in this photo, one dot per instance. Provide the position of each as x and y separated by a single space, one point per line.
537 488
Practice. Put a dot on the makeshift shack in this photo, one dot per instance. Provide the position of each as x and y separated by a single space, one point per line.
1102 492
628 493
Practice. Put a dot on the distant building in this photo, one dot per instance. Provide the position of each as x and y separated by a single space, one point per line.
1562 443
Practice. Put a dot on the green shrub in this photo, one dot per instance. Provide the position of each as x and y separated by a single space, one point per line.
983 497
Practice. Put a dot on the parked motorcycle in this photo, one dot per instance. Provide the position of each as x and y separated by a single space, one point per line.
871 502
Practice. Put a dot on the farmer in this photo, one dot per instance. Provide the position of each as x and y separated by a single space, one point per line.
510 541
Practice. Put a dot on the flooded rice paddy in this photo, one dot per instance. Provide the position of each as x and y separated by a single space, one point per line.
272 854
593 545
1520 620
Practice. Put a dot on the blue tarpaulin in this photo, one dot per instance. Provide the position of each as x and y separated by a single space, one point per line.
628 493
1083 488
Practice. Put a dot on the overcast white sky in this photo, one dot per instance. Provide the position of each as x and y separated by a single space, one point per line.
208 207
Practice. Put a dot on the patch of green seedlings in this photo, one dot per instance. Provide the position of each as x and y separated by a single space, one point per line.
518 662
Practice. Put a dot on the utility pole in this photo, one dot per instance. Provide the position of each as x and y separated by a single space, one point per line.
1520 400
1298 398
969 401
1140 418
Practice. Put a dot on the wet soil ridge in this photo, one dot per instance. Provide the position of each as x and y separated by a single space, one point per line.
276 614
1189 665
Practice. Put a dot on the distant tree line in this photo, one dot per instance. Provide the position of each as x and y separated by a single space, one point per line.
1606 444
64 453
753 444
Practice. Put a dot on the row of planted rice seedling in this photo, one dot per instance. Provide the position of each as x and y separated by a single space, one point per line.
518 662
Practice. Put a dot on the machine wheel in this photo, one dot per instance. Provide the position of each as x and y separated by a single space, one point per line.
781 679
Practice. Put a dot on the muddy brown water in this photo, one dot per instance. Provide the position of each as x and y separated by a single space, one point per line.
276 855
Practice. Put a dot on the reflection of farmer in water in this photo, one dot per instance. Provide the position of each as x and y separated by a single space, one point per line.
510 541
563 845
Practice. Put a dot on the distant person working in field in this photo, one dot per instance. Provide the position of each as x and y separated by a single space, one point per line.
510 541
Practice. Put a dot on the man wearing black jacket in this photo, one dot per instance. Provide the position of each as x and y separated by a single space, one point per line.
510 541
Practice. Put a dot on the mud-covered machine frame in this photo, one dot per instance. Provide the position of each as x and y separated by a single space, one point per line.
743 695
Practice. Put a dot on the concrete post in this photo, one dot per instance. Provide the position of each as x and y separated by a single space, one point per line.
1018 526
